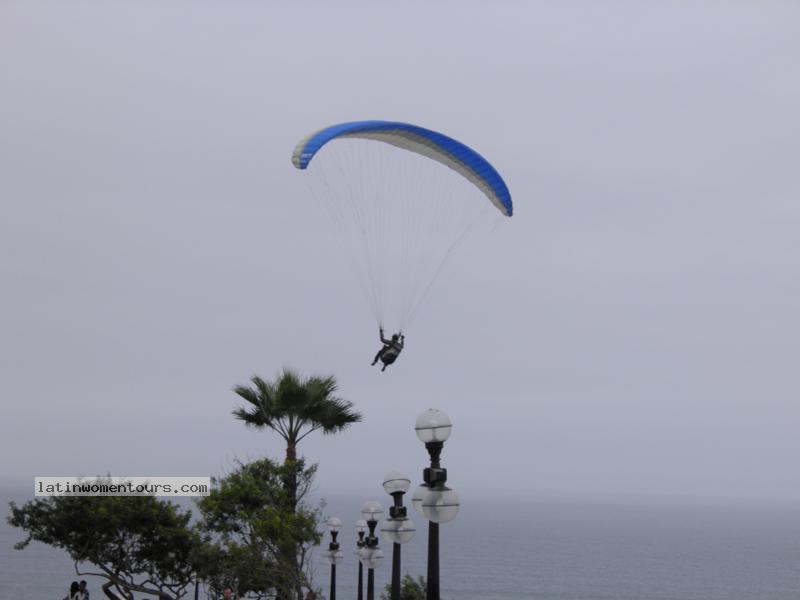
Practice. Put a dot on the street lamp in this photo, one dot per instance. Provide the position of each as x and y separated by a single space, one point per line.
370 555
334 555
433 499
398 529
361 530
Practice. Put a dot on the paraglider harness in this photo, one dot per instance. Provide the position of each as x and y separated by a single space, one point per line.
391 349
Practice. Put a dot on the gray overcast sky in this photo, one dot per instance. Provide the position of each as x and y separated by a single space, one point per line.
633 328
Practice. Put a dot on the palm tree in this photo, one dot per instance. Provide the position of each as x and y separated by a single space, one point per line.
294 407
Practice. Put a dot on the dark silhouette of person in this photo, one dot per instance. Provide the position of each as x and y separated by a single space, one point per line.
391 349
74 591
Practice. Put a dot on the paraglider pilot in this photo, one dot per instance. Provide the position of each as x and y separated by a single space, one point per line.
391 349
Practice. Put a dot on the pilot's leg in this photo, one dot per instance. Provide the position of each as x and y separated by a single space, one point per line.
378 356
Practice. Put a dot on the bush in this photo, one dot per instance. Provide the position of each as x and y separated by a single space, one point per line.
410 589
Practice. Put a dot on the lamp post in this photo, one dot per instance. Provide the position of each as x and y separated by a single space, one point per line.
433 499
334 555
361 530
398 529
370 555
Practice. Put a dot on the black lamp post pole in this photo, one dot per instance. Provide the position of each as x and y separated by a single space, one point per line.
435 477
398 511
360 544
333 547
371 542
433 561
395 571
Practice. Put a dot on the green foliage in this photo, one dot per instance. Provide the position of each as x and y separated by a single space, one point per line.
138 543
410 589
258 529
294 407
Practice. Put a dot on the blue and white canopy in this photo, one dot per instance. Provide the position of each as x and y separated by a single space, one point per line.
436 146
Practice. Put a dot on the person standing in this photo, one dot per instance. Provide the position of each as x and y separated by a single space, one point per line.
74 593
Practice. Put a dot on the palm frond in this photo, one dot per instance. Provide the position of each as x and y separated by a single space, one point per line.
295 406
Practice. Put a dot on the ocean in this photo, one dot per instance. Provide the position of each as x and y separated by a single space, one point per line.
544 548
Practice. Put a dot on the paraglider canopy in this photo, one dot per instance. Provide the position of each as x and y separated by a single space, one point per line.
437 146
401 212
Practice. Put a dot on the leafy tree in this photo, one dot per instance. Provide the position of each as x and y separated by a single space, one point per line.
410 589
137 543
251 520
294 407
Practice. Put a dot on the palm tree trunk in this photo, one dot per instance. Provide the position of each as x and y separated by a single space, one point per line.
291 588
291 479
